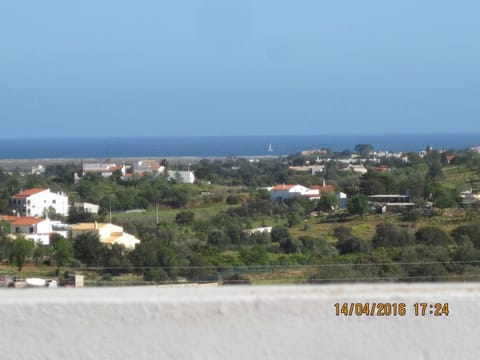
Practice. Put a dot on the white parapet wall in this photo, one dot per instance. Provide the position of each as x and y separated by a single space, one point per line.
240 322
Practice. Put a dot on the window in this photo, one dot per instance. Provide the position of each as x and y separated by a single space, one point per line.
54 201
31 230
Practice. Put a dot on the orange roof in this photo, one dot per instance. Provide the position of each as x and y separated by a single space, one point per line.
27 221
114 168
29 192
283 187
321 189
8 218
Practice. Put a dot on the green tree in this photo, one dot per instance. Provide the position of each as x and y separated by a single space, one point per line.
22 250
364 149
470 231
390 235
358 205
352 245
279 232
432 235
342 232
62 250
88 248
253 255
185 217
290 245
414 215
328 202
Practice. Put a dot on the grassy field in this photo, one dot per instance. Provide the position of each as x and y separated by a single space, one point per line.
460 178
168 215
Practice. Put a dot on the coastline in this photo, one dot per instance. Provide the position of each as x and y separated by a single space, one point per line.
28 164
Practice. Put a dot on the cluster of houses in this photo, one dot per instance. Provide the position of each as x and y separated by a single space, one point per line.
353 164
136 169
31 209
380 203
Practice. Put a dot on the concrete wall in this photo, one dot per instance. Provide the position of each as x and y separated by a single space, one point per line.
241 322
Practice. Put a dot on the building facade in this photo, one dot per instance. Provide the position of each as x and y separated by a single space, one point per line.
38 202
108 233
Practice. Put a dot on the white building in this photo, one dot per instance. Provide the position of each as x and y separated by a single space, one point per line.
86 207
186 177
358 169
38 201
342 199
108 233
289 191
259 230
147 166
104 169
32 228
38 170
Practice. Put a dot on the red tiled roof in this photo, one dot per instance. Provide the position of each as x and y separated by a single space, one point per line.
114 168
8 218
283 187
27 221
29 192
321 189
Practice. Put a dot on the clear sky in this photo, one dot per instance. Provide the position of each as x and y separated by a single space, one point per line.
215 67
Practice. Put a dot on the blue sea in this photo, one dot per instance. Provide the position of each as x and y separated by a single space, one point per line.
220 146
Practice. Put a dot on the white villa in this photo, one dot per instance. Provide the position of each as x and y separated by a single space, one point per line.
314 192
289 191
104 169
108 233
37 201
36 229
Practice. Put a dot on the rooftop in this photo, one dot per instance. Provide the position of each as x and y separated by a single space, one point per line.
29 192
21 221
283 187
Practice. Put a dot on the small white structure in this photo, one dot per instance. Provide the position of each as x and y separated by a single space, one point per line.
290 191
86 207
358 169
108 233
38 201
38 170
104 169
187 177
259 230
147 166
342 199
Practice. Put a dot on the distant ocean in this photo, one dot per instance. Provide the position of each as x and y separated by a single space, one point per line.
221 146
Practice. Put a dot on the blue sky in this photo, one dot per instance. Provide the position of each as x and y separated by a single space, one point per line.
120 68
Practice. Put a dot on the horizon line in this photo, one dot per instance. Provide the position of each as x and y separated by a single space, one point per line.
236 135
